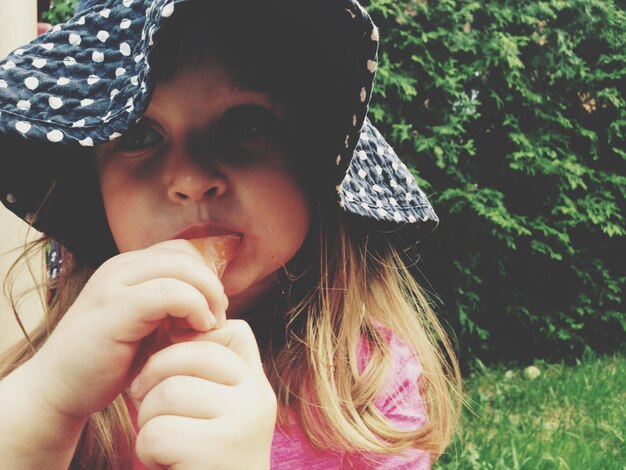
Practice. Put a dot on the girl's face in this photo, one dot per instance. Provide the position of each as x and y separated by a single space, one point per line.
208 159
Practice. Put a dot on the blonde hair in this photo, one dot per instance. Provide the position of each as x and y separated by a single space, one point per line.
363 286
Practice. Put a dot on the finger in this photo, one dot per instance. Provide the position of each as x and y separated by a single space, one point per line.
185 396
166 440
202 359
155 300
235 335
174 258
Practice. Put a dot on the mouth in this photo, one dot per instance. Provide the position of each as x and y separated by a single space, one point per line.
205 229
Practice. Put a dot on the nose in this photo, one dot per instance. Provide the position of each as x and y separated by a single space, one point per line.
188 180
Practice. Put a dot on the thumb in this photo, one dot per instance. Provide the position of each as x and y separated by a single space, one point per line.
236 335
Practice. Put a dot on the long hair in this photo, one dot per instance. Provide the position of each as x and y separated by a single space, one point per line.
349 284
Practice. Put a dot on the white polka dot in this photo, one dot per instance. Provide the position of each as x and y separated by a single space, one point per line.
115 135
393 202
338 160
55 102
9 65
48 46
22 126
167 10
79 123
362 192
135 80
74 39
394 165
86 102
10 198
379 169
125 24
63 81
393 183
24 105
354 120
139 58
31 83
55 136
39 63
93 79
397 217
56 28
81 20
347 142
3 84
30 218
105 13
127 3
412 219
125 49
102 36
87 142
375 36
363 95
362 154
377 188
382 212
114 93
349 196
371 66
97 56
120 71
364 137
408 197
69 61
362 173
19 51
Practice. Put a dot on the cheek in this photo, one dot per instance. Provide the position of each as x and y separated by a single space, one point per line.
123 199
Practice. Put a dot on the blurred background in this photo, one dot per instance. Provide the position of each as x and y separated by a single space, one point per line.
512 115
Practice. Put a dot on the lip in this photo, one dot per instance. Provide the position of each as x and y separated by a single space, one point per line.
204 229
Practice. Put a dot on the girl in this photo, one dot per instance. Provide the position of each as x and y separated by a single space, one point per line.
155 122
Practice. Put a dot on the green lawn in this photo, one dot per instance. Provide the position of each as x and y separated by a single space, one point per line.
569 417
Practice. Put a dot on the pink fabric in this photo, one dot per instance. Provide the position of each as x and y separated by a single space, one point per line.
399 401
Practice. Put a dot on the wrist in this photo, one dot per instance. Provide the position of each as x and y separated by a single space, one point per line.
34 434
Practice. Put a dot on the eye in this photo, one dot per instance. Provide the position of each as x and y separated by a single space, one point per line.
247 124
140 136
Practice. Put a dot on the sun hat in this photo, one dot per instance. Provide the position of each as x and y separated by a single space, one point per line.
87 81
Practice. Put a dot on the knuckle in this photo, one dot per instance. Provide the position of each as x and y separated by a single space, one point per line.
168 391
153 440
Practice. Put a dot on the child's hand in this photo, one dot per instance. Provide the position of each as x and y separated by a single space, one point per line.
91 355
206 403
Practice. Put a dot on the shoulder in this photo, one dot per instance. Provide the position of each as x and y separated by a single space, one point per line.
400 399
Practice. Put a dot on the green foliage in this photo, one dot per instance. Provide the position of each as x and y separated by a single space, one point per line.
515 114
60 11
568 417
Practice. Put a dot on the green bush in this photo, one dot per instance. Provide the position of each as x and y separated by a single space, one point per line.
60 11
515 115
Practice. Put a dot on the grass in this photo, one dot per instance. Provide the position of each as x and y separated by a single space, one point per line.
569 417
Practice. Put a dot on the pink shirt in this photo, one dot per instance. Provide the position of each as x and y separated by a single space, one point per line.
399 401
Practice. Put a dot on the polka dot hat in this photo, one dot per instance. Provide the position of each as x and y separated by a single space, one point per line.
85 82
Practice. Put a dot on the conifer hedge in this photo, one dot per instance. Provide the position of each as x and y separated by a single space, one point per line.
513 116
